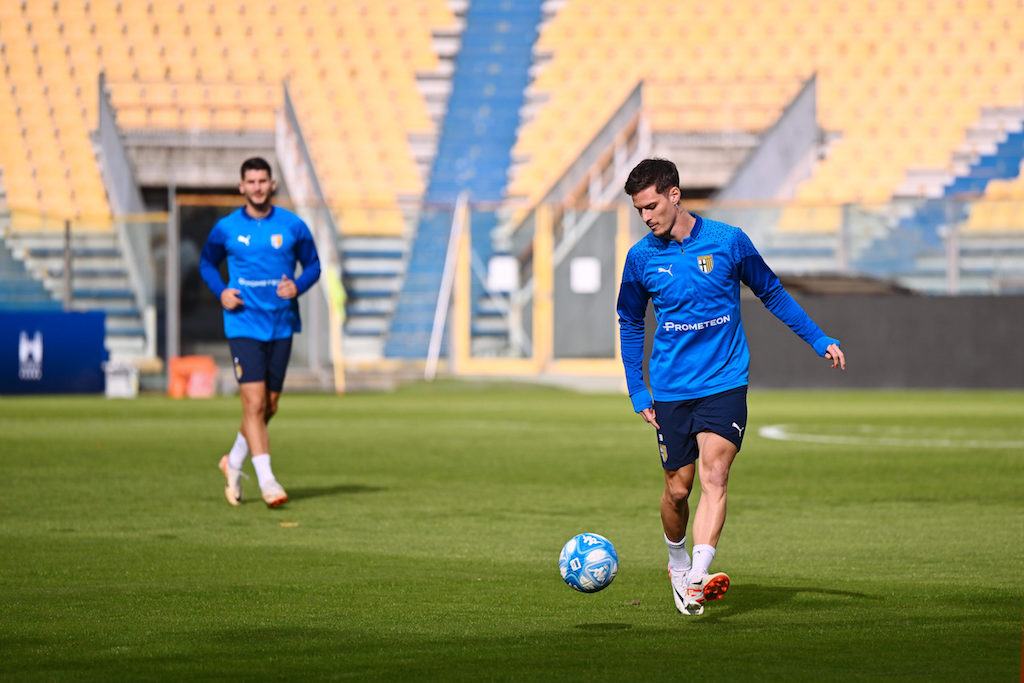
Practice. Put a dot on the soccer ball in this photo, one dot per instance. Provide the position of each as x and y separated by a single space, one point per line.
588 562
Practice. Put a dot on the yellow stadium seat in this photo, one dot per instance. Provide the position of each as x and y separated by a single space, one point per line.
996 216
810 218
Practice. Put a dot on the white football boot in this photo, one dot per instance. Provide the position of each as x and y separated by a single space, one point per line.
233 477
679 586
704 588
273 494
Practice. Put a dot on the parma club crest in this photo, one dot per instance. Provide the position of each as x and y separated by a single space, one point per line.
276 241
705 263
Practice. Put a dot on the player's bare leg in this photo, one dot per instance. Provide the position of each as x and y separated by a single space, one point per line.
716 457
675 514
255 401
675 506
258 406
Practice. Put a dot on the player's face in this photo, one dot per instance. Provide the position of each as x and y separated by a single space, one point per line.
659 211
258 187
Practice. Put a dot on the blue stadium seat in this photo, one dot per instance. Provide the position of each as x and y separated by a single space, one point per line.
474 154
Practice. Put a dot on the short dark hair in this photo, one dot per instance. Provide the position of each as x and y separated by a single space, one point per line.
661 173
256 164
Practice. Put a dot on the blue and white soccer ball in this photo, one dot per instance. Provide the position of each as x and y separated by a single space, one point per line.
588 562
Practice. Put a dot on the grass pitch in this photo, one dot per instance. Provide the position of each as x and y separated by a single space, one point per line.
422 538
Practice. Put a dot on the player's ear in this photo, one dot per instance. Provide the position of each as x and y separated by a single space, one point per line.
241 188
674 195
273 185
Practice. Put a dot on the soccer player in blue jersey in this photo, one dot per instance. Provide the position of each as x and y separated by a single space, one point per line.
262 244
691 269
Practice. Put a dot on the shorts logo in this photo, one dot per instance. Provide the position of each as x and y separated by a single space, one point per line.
238 370
276 241
739 429
664 452
705 263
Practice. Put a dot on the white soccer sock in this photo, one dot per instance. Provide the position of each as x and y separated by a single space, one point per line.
263 472
236 456
702 556
678 558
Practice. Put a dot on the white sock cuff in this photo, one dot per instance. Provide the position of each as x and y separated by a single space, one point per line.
673 544
702 556
709 549
261 463
240 449
678 558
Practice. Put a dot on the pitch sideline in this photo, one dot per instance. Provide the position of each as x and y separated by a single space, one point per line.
785 432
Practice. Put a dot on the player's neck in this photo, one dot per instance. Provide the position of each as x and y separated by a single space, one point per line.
258 212
683 227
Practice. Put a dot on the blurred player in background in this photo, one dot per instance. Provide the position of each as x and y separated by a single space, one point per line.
691 268
262 244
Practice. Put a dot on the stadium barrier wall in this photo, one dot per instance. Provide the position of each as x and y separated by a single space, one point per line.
893 341
51 352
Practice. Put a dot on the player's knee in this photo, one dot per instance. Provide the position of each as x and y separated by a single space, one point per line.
254 405
270 407
715 477
677 493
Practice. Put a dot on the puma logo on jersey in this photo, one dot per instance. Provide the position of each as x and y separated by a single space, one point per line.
244 239
666 270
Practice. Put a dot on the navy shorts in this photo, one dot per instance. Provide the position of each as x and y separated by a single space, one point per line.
724 414
261 361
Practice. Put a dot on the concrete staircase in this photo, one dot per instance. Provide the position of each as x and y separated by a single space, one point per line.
99 281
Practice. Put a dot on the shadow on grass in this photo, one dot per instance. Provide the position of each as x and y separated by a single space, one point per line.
335 490
751 598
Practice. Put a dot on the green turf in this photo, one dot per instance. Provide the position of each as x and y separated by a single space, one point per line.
422 538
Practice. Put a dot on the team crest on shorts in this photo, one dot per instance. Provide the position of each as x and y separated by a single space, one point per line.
705 263
276 241
664 452
238 370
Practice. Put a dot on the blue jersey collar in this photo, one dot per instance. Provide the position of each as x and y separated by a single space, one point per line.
696 227
270 215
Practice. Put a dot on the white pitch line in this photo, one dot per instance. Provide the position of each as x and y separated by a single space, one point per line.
783 432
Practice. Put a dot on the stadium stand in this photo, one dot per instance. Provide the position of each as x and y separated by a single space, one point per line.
206 65
18 289
918 102
491 74
196 65
899 82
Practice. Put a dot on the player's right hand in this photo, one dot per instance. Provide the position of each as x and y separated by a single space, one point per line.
648 415
229 299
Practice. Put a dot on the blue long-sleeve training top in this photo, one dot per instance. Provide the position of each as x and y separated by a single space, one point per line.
699 344
259 251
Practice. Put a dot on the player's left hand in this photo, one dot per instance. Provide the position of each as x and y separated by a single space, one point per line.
286 288
835 354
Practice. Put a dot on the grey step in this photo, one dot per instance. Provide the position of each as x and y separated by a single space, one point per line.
370 306
366 325
125 346
55 264
369 268
363 346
